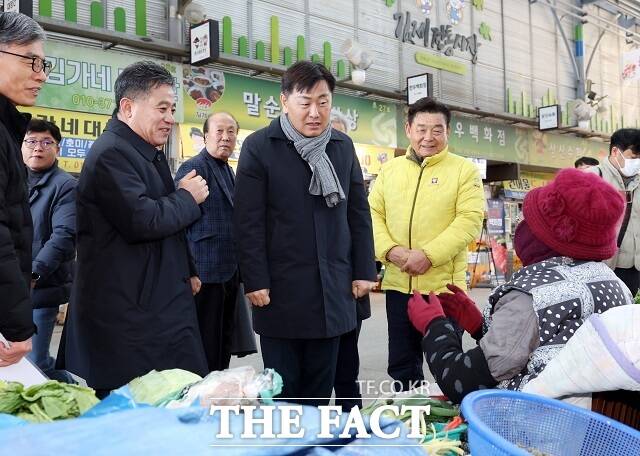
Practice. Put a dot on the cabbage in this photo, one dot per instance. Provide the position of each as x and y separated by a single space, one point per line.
155 386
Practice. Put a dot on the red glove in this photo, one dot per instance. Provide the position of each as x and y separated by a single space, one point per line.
421 312
462 309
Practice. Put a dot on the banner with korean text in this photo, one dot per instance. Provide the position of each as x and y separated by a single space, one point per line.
82 78
79 130
256 102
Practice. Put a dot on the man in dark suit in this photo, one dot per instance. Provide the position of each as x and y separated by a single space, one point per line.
131 306
303 232
211 239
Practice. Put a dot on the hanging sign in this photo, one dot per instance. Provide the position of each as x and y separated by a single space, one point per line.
205 47
418 87
549 117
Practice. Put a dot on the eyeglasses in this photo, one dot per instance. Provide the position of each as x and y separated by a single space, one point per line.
37 64
45 143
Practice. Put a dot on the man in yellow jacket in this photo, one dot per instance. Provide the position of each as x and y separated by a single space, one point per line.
426 208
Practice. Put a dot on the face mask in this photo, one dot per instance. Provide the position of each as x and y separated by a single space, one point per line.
631 166
529 248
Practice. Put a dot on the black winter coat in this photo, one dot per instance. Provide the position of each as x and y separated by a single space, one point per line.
16 232
53 209
289 241
131 307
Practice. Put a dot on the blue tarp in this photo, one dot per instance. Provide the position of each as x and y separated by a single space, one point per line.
190 431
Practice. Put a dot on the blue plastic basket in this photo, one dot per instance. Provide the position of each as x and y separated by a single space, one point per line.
503 422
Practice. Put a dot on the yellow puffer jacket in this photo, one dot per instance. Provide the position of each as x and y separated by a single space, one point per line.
436 207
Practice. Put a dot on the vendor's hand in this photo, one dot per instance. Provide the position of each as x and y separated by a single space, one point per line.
259 298
417 263
422 313
398 255
196 284
14 353
462 309
361 288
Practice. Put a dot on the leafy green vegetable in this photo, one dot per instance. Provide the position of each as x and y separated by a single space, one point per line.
441 411
10 399
45 402
155 386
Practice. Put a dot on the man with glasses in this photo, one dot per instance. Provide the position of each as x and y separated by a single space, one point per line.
426 206
53 210
23 74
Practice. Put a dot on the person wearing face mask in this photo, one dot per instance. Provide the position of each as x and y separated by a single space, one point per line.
622 171
569 227
211 239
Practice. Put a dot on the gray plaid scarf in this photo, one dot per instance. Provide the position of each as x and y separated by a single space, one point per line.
324 180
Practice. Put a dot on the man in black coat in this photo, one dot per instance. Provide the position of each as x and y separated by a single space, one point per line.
23 71
132 307
303 235
52 198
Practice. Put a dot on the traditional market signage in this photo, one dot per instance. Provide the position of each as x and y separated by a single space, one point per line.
492 141
549 117
518 188
256 102
439 38
419 86
205 47
83 80
560 151
79 131
477 138
442 63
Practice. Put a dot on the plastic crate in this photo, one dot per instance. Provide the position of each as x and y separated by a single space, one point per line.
503 422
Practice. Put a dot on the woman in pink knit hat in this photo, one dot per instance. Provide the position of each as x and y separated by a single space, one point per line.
569 227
